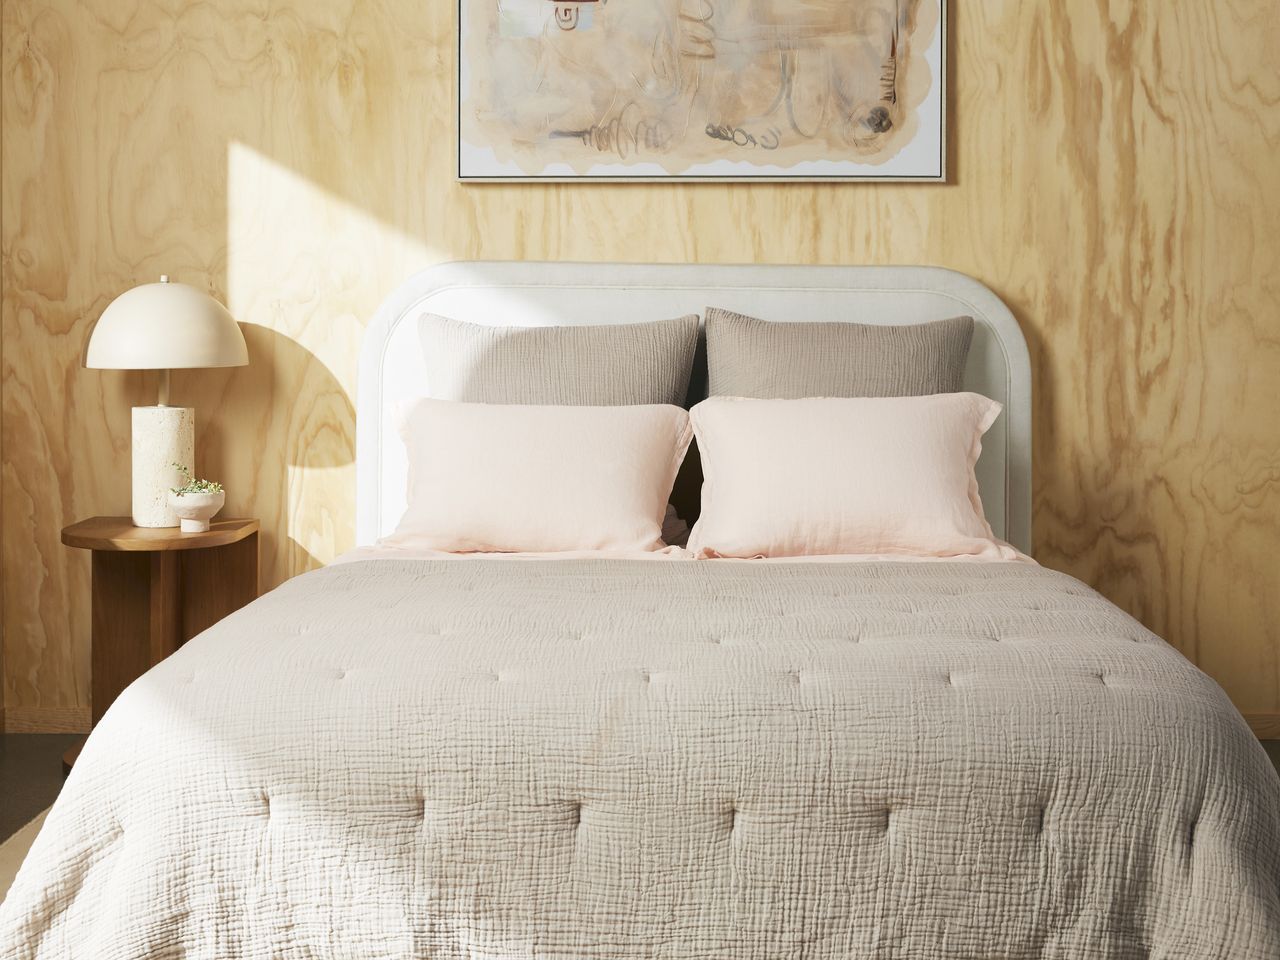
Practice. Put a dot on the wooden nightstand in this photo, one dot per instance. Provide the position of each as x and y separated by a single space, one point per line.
155 589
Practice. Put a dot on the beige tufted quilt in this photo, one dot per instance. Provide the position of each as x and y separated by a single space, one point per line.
615 759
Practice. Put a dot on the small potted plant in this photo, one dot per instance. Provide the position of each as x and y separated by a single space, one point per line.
196 501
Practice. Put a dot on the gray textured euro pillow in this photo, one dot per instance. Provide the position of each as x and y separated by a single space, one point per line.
767 360
598 366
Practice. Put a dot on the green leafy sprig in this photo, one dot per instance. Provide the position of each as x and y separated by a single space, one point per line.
193 485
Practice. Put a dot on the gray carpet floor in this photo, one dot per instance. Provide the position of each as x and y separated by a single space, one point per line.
30 776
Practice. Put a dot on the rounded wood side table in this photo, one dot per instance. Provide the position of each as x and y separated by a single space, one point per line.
153 590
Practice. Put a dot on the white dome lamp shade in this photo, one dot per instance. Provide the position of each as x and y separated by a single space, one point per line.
163 326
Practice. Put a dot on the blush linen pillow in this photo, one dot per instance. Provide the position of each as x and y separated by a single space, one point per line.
839 477
487 478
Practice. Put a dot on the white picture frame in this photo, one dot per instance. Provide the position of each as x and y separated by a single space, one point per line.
505 133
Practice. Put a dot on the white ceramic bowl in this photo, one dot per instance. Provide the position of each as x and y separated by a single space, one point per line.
194 510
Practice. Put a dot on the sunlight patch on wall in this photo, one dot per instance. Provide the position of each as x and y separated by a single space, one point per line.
306 270
316 530
307 263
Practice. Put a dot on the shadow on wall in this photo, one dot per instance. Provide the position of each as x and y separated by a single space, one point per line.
286 462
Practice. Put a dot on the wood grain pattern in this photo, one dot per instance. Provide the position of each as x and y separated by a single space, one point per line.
1114 182
215 583
119 533
1265 725
47 719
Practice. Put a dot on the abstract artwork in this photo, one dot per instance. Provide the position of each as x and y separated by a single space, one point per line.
702 89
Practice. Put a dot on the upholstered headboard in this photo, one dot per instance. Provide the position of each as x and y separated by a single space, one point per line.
537 294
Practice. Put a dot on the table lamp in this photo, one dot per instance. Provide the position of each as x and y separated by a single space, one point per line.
163 326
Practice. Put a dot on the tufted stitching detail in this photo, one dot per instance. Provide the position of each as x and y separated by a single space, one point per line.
771 824
1194 825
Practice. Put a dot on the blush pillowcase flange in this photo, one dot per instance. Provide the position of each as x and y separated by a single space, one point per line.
494 478
840 477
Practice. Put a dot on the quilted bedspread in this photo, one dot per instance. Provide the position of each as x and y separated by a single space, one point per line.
711 760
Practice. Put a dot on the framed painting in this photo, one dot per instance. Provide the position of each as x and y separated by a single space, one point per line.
608 90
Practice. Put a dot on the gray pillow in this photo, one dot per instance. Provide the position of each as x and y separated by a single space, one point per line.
787 361
597 366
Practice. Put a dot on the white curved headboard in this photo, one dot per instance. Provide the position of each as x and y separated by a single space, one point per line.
547 294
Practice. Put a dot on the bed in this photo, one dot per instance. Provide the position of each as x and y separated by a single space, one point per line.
625 758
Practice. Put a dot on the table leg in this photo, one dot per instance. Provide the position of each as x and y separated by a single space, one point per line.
135 619
216 582
147 604
69 757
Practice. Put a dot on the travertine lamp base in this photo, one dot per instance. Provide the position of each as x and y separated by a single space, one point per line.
162 436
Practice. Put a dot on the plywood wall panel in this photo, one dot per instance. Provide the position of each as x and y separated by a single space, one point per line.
1113 167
